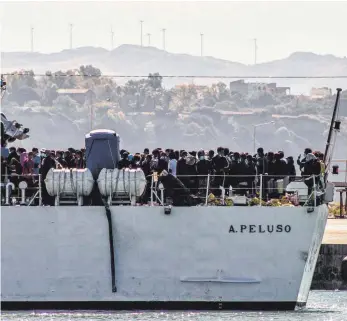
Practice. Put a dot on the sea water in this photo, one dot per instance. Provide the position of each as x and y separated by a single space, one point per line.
322 306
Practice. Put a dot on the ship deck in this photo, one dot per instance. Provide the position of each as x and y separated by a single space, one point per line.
335 232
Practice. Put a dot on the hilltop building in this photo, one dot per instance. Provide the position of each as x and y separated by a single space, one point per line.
242 87
81 95
319 93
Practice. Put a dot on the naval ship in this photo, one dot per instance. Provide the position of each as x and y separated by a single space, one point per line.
119 255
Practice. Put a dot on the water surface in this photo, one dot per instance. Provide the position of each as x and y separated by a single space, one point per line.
322 306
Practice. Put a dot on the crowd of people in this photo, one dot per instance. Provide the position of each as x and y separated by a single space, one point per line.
18 161
224 162
225 168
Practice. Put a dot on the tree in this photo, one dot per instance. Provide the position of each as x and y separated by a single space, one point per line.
50 93
155 80
59 78
24 94
66 103
19 79
223 92
89 70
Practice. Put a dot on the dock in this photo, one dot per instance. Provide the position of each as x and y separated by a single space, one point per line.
335 232
327 274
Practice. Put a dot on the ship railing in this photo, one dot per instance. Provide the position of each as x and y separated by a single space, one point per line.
261 188
21 189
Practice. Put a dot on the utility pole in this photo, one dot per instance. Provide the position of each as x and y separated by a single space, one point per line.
163 30
112 37
71 25
201 43
255 50
149 39
32 38
141 22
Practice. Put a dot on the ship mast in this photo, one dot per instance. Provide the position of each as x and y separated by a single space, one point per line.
334 128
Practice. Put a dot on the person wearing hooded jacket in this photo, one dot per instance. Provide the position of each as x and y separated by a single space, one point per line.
261 162
220 166
291 168
311 171
124 162
182 168
301 162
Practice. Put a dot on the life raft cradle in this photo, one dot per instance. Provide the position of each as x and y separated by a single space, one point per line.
117 198
68 198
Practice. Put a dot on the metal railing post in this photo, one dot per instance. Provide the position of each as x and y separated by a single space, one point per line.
207 188
6 180
161 194
314 191
152 190
261 189
40 190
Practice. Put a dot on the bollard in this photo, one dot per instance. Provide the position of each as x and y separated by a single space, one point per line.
8 185
23 186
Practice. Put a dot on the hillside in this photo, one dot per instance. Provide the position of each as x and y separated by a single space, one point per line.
149 113
137 60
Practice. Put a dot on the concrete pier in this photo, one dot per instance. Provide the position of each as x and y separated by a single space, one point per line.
335 232
334 248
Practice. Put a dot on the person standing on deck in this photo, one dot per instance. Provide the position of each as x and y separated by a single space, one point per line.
172 164
37 160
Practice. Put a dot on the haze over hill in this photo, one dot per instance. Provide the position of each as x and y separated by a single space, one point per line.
136 60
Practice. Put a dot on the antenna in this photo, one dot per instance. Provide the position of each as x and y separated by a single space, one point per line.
141 23
32 38
149 39
255 50
112 37
163 30
71 26
201 43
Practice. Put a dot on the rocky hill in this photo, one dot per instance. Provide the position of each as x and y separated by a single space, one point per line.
137 60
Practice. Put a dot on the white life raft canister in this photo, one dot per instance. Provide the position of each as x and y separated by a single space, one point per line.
127 181
79 182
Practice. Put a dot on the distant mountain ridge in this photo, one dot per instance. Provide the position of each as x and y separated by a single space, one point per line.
136 60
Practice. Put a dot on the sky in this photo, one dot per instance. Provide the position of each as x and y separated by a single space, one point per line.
229 28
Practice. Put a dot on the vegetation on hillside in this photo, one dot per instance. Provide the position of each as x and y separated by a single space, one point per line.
185 115
148 95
